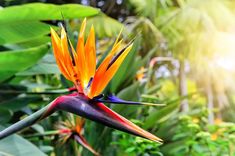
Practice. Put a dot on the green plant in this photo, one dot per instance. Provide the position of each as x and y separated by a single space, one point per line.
131 146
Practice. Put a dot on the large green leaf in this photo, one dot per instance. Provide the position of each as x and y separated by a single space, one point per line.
12 62
13 32
33 42
47 65
43 11
161 114
42 68
22 23
18 146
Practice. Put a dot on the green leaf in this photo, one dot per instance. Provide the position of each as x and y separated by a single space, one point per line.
47 65
22 23
17 146
105 26
43 11
5 115
13 32
161 114
130 93
123 72
16 103
42 68
34 42
12 62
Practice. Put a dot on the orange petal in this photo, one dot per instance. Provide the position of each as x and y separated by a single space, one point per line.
79 124
102 69
119 36
76 69
90 54
81 56
67 60
111 71
57 53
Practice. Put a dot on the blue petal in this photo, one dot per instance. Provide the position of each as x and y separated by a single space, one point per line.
114 99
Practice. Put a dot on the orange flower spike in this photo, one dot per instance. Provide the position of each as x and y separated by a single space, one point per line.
66 55
102 69
119 36
103 66
79 124
90 54
77 73
58 54
112 70
81 56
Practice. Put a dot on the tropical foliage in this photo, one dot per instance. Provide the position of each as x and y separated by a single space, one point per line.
182 57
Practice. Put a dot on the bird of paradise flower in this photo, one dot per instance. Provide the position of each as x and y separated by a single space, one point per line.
73 128
79 66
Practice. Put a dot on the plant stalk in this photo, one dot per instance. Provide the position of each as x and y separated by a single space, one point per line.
26 122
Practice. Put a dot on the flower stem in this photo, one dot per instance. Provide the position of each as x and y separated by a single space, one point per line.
26 122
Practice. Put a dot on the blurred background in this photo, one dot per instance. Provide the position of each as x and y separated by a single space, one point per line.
183 56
